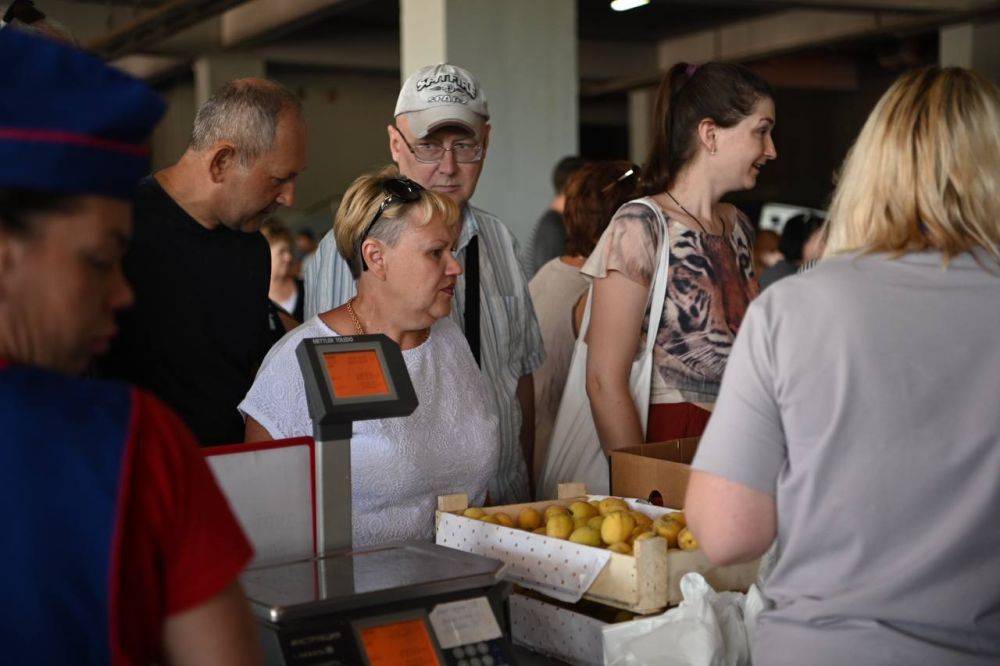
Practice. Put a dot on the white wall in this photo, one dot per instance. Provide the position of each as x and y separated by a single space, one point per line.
171 136
975 46
346 115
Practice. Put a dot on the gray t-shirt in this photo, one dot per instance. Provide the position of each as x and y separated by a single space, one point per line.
548 241
865 396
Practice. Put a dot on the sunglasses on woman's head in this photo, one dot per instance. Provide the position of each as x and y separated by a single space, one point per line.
399 190
631 172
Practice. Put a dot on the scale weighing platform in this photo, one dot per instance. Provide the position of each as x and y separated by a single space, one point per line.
411 603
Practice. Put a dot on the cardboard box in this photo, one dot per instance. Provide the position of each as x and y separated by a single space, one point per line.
637 471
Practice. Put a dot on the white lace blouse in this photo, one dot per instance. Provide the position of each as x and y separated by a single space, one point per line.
399 466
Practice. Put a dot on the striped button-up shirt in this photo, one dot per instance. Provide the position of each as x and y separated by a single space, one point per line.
510 340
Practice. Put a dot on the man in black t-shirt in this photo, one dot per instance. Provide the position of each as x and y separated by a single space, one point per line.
199 268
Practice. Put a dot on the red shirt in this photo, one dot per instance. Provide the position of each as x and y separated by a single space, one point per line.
178 543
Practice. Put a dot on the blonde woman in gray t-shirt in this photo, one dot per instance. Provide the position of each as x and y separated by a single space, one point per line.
859 418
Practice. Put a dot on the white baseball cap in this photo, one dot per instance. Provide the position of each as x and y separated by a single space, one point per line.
439 95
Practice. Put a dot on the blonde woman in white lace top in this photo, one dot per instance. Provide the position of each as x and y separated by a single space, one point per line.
398 240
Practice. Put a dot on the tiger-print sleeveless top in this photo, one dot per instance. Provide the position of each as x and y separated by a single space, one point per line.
710 282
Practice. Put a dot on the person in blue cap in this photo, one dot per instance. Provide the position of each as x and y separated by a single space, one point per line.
119 547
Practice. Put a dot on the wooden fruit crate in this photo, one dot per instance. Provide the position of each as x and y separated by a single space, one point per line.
645 582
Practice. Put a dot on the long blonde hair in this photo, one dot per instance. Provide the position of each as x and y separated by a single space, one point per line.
925 171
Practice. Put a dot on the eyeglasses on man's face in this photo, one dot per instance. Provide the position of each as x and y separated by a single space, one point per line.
432 152
399 190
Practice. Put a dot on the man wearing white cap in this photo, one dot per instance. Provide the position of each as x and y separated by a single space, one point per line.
440 139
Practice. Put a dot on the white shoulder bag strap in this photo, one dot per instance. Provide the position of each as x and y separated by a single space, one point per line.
575 452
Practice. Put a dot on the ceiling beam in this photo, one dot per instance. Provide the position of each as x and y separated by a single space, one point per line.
156 25
906 6
783 33
889 6
262 18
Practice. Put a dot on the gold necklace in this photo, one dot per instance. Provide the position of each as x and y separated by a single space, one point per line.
696 220
361 329
354 317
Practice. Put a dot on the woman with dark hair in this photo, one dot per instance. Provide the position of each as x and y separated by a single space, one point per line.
797 232
285 291
713 136
593 194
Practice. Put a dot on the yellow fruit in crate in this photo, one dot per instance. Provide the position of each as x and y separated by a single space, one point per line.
559 526
579 522
596 504
639 529
554 510
668 529
617 527
490 518
686 540
582 510
529 519
610 504
641 518
622 548
504 519
473 512
678 516
539 530
588 536
595 522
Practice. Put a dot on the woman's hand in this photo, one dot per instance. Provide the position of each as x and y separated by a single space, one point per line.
613 338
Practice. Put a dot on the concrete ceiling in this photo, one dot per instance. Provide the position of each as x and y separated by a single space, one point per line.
619 50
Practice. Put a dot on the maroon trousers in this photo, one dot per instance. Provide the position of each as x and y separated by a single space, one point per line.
675 421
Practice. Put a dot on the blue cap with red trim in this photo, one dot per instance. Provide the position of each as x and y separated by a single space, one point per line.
68 122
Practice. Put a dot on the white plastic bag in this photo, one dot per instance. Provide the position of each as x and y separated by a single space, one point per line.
706 629
575 453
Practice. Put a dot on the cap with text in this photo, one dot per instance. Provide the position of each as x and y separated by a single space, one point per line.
441 95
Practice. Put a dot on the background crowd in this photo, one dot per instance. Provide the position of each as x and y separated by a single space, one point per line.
864 387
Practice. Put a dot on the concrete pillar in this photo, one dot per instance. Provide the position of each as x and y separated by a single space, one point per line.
524 53
212 71
971 45
640 123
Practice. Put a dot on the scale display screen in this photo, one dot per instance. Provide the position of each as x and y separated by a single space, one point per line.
356 374
353 378
402 643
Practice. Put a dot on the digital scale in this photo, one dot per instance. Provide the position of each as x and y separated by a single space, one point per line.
412 603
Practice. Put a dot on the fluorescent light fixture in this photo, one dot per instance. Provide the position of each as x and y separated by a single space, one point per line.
625 5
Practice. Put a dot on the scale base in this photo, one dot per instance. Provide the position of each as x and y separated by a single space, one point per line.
408 603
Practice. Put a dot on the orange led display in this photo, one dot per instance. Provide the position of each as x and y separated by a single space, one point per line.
400 644
355 374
